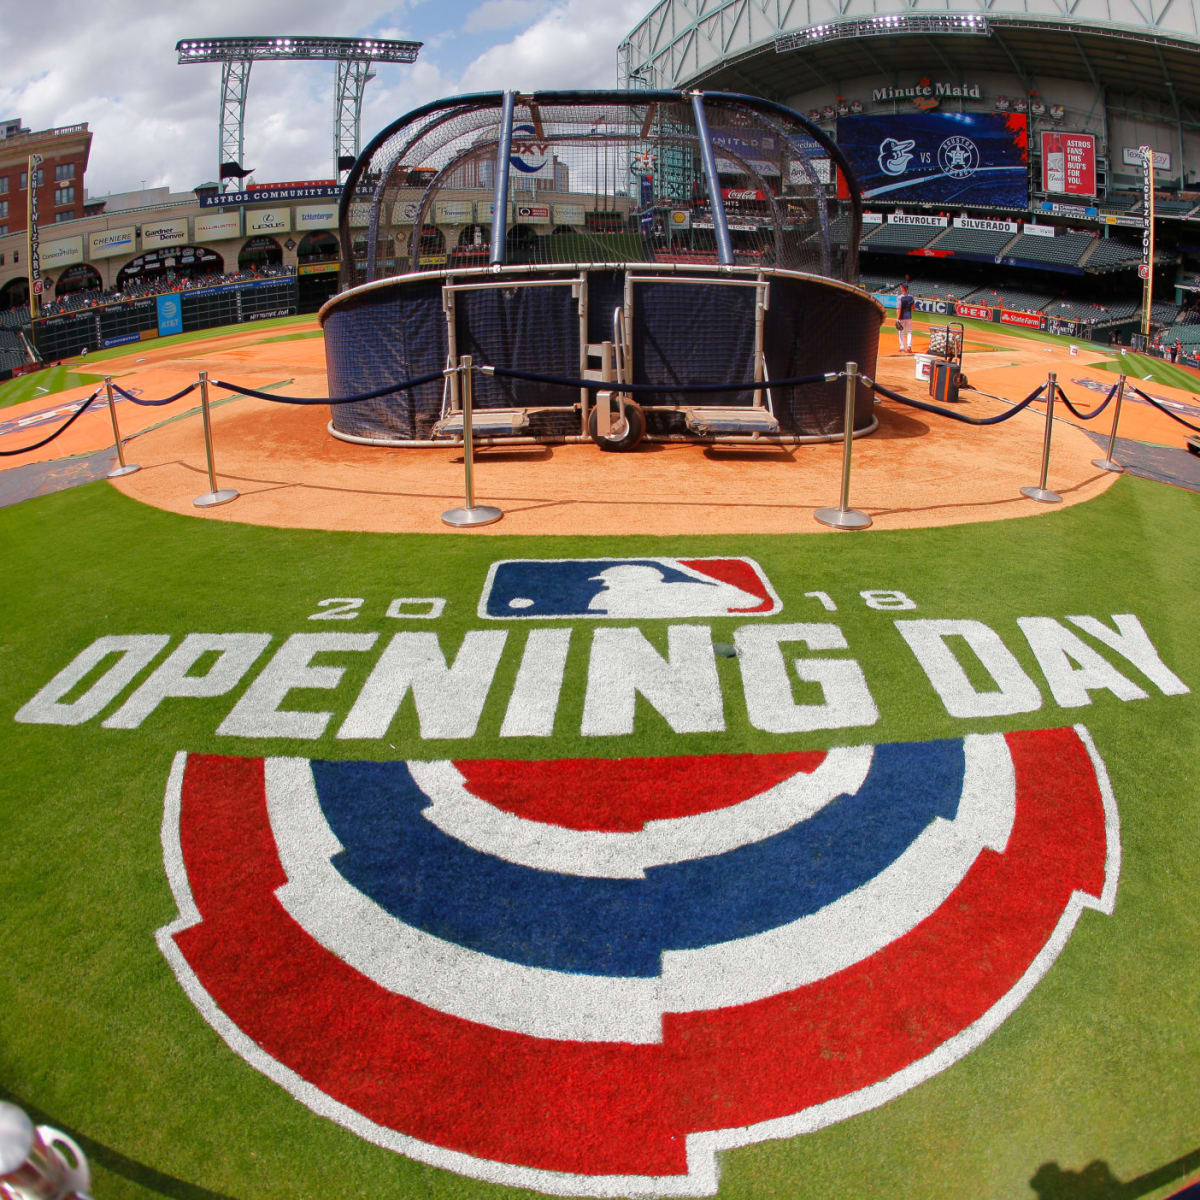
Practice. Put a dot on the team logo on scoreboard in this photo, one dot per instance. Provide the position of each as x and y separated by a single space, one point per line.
895 155
958 157
589 976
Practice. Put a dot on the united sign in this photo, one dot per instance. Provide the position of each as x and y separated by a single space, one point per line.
587 976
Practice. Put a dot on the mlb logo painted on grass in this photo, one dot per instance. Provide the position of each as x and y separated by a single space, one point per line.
589 976
637 588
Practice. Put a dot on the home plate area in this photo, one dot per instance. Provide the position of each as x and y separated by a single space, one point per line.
589 977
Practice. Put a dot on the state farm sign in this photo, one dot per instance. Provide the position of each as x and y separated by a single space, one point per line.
1029 320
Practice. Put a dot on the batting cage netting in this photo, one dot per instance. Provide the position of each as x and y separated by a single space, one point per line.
531 230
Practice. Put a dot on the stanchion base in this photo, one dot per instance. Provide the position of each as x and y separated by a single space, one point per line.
212 499
480 514
842 518
1107 464
127 469
1037 493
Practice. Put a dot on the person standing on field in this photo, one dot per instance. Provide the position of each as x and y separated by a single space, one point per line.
904 321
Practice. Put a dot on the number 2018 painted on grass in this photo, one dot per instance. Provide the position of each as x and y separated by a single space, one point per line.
349 608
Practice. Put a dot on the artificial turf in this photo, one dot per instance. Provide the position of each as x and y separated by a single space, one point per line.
96 1036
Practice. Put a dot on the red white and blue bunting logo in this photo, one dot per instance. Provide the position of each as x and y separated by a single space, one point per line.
587 977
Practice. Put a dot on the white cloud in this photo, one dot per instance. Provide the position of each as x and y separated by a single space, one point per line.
502 14
114 66
572 46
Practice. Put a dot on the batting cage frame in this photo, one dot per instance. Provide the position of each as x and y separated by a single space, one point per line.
615 264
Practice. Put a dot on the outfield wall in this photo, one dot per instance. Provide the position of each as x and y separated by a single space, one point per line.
147 317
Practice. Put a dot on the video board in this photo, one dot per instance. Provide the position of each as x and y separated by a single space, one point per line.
939 158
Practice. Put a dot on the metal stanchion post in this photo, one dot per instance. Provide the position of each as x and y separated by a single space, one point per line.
124 468
1041 492
845 517
471 513
39 1163
212 497
1106 463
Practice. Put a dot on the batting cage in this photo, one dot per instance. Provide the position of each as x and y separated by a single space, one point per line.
612 265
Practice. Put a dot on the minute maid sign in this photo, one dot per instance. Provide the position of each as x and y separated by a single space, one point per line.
590 976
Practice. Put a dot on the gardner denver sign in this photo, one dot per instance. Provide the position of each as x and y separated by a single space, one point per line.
670 955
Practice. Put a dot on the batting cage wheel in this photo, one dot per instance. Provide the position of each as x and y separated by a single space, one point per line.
628 428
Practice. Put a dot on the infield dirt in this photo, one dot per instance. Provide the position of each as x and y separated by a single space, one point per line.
915 470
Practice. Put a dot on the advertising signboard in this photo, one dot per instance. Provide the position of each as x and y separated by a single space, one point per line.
980 311
1028 320
569 214
1068 163
315 216
1132 156
33 249
530 158
111 242
1146 269
758 150
165 233
275 192
799 170
986 223
454 212
268 220
218 226
533 214
170 314
939 158
62 253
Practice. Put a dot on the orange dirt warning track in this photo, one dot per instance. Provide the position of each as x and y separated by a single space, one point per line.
917 469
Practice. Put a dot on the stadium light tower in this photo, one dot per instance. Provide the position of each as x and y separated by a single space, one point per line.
237 54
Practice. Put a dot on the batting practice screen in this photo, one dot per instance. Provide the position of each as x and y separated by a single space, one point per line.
940 158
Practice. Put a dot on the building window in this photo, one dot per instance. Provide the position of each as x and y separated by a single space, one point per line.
38 179
3 208
64 195
3 185
67 215
64 171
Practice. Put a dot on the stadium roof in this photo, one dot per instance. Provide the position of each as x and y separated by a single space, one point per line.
1151 51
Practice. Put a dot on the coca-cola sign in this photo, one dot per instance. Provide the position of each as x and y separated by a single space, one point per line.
742 194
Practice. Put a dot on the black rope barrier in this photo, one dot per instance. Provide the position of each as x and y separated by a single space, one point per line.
1082 416
1163 409
384 391
947 412
611 385
191 387
60 430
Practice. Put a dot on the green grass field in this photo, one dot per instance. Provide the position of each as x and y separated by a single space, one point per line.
1092 1079
1151 369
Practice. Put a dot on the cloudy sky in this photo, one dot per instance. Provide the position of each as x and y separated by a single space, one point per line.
113 65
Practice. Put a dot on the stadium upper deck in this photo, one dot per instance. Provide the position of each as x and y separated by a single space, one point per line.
1121 74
